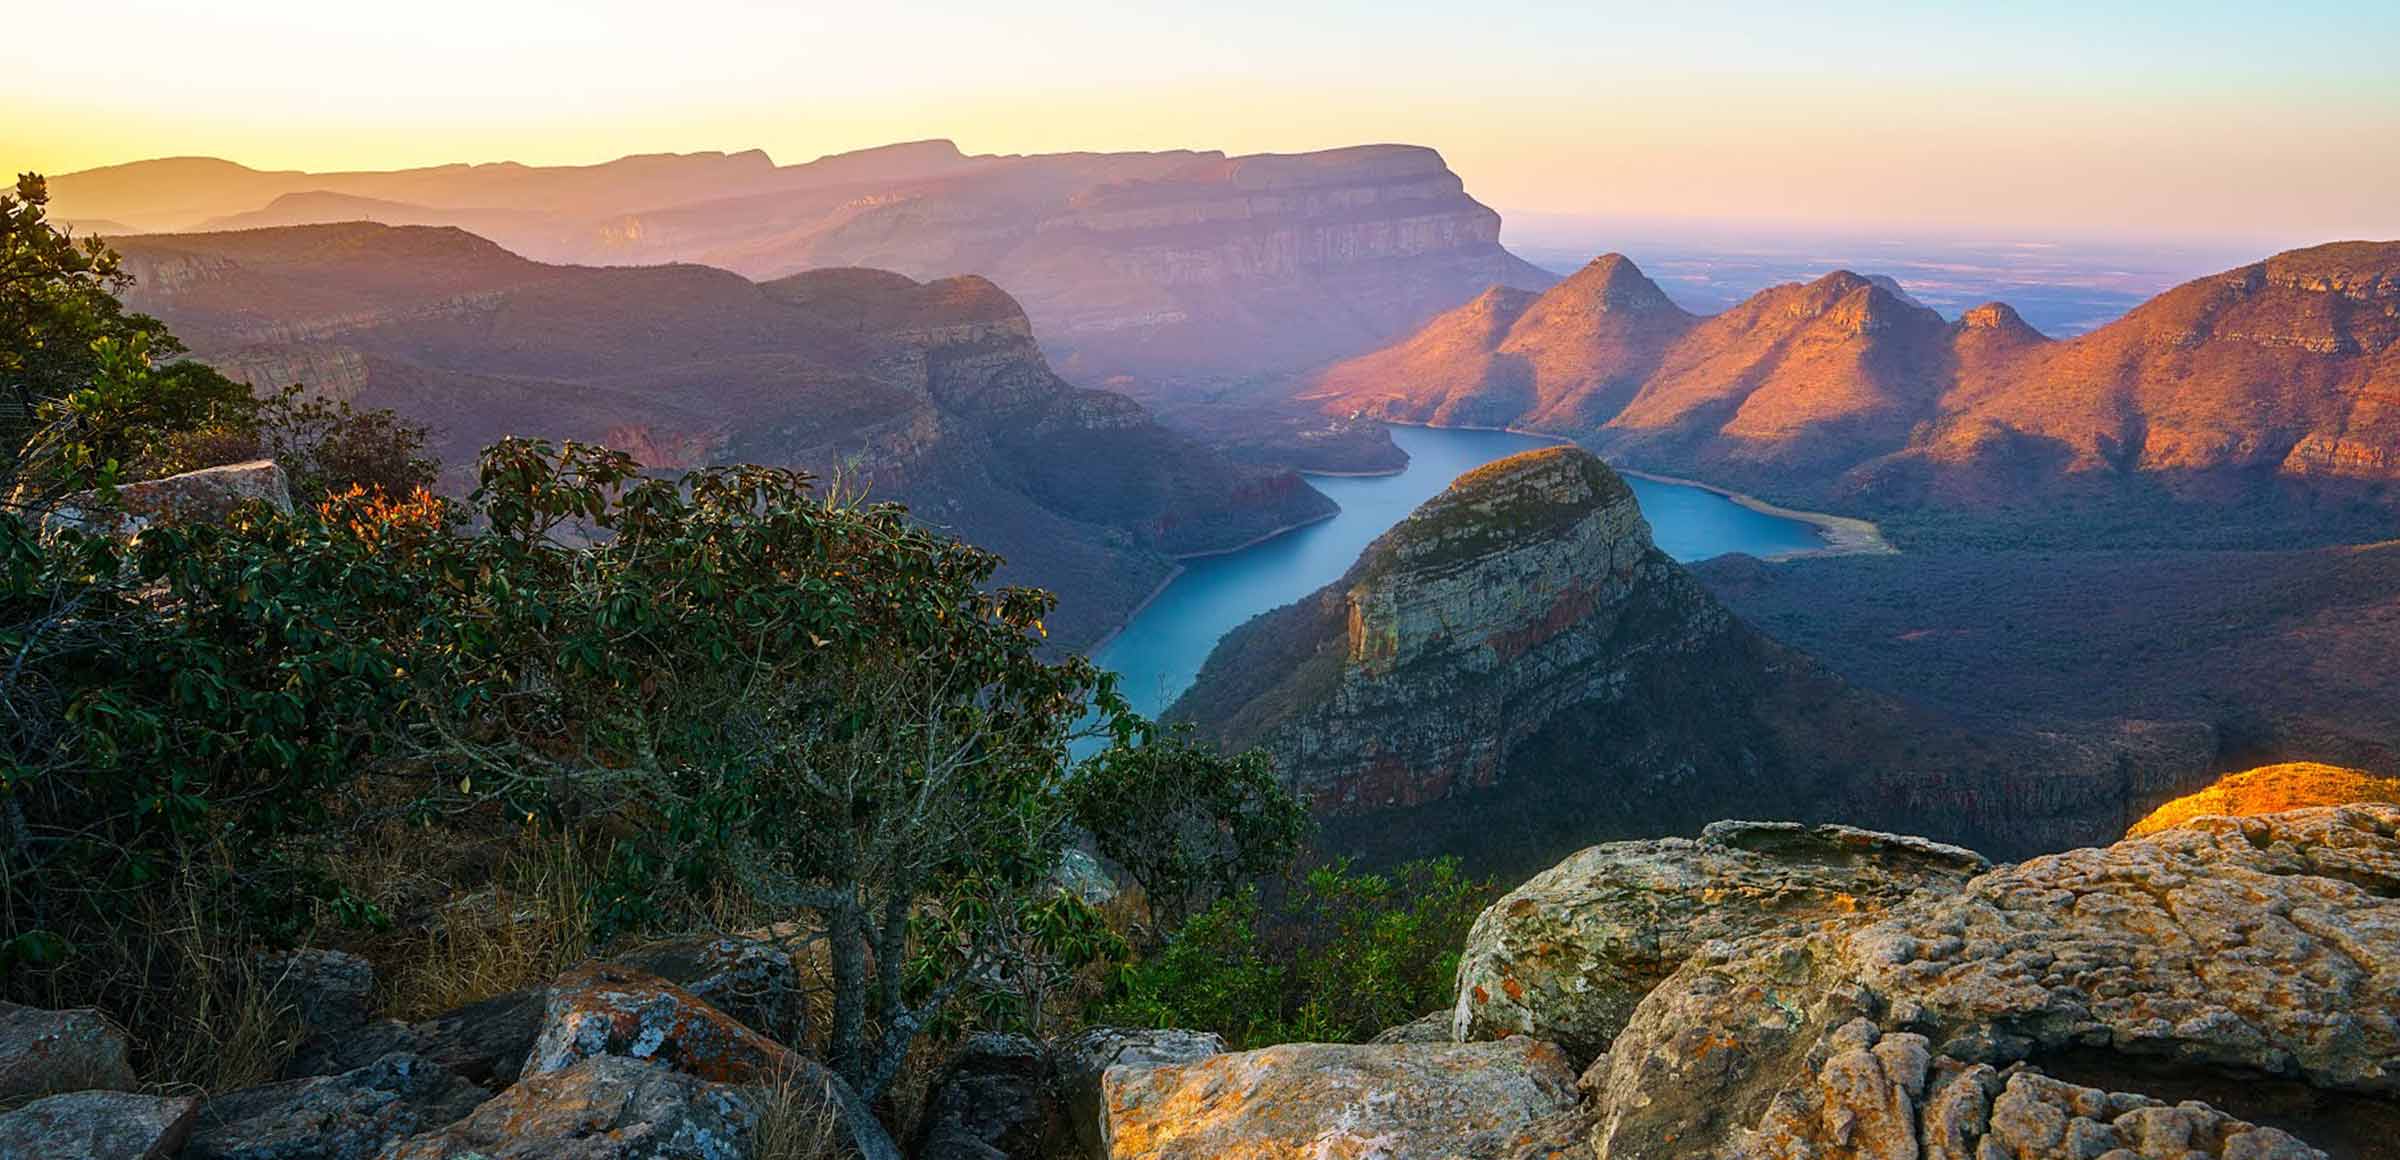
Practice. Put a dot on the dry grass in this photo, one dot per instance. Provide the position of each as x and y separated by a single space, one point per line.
532 921
188 995
798 1120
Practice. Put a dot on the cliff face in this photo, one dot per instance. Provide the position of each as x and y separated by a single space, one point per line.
1159 265
1516 669
2280 375
935 394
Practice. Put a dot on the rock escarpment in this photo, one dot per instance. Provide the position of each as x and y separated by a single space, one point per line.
935 394
1516 670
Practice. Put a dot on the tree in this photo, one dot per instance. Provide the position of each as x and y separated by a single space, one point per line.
1187 822
92 394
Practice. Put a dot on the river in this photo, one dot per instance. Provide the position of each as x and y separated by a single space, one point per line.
1159 652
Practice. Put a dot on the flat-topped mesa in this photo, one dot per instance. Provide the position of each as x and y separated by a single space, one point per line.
1508 556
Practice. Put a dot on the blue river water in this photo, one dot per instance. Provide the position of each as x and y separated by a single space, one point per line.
1160 650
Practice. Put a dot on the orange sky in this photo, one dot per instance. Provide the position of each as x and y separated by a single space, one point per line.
2192 119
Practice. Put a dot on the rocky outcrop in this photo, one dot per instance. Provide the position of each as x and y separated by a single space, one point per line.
1567 956
753 981
2246 962
43 1051
2271 789
98 1125
1516 670
350 1116
604 1108
1399 1101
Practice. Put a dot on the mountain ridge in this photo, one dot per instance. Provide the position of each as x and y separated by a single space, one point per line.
1160 269
2283 373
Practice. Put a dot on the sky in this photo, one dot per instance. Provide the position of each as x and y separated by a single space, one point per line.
2169 119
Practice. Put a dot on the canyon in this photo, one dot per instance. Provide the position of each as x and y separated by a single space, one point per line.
1516 668
934 394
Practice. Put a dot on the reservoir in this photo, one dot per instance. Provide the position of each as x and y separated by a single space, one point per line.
1160 650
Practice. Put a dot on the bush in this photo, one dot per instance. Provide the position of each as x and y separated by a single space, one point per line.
1346 955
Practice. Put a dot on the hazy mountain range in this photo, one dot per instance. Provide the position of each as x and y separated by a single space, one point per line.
1181 266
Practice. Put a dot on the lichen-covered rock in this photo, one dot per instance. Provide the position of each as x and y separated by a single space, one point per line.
752 980
44 1051
1566 956
1083 1063
1394 1102
2271 789
998 1100
98 1125
2241 958
611 1009
604 1108
350 1116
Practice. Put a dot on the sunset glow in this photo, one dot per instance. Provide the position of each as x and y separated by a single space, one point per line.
2190 119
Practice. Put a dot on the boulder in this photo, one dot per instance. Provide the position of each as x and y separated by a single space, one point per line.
609 1009
612 1009
98 1125
486 1041
1084 1060
2271 789
751 980
44 1051
1566 956
1431 1027
1396 1102
606 1107
998 1100
1082 875
328 992
211 493
350 1116
2246 970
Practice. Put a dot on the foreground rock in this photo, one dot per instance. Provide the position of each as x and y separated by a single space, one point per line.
751 980
2250 963
43 1051
2272 789
350 1116
1566 956
98 1125
1083 1064
1397 1101
604 1108
607 1009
